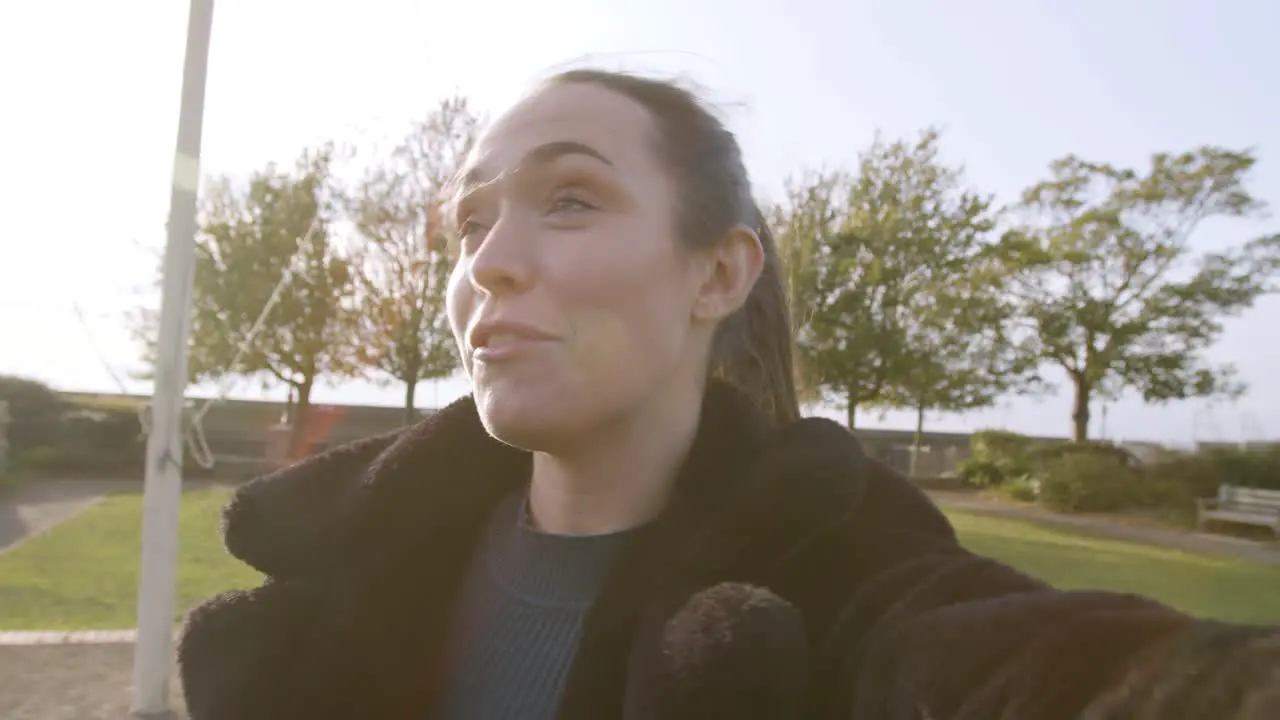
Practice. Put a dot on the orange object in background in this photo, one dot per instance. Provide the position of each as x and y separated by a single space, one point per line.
321 419
284 448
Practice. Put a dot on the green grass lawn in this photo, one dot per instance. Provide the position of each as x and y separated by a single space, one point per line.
84 574
1208 586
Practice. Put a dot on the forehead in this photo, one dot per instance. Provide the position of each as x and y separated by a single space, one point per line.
607 122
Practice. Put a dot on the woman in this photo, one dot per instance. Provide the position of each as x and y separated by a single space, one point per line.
627 518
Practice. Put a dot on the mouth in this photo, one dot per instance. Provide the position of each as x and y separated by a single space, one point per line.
496 340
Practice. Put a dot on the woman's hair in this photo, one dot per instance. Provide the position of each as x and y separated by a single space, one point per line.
753 347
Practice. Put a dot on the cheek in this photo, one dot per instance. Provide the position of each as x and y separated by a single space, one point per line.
459 300
630 309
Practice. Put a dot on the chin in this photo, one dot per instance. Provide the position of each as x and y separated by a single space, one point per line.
526 421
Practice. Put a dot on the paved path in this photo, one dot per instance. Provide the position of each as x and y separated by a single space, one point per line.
52 675
36 506
1188 540
70 682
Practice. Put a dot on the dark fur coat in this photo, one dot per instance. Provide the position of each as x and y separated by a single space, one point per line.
790 577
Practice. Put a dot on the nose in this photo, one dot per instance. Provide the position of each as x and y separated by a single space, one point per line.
503 265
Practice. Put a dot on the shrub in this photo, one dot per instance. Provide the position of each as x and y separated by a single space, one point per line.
1154 491
997 457
41 458
100 441
1022 489
34 412
1041 457
1250 467
994 444
1089 482
1198 474
979 472
49 435
1001 457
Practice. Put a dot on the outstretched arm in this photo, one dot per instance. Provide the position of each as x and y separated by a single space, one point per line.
954 635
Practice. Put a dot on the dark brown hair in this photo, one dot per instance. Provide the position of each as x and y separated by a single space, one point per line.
753 347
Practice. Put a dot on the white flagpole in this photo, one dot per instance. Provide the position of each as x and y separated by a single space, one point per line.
153 653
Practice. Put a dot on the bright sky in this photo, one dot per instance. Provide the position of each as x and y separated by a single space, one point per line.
89 92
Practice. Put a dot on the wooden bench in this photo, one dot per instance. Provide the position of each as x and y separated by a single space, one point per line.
1248 506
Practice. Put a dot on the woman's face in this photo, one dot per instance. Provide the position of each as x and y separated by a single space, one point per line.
572 302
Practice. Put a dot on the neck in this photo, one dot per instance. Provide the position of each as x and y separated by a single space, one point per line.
621 477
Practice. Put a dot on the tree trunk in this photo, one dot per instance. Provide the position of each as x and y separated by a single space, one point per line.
851 411
919 439
414 360
410 413
1080 410
301 414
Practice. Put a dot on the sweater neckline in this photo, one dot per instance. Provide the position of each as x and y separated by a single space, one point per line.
545 568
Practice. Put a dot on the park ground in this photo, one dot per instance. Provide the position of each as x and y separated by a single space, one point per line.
82 574
77 570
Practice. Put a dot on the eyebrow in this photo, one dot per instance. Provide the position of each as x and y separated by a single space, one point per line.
541 155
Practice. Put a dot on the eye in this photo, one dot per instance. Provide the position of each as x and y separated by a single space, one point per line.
569 203
471 232
468 227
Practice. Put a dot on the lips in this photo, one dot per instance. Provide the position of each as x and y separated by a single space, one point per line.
492 340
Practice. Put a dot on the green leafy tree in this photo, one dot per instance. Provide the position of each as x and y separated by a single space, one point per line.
273 232
876 257
845 291
958 352
963 355
803 225
404 264
1108 284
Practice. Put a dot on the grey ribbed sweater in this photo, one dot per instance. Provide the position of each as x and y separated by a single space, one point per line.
520 617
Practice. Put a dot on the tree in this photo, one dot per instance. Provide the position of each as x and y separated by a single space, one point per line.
962 353
868 253
274 232
1110 288
404 265
803 225
957 352
852 302
843 298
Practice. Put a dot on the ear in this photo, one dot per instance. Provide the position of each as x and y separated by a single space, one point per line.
731 269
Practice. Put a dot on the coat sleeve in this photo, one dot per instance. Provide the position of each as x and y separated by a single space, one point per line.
237 654
939 633
276 652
